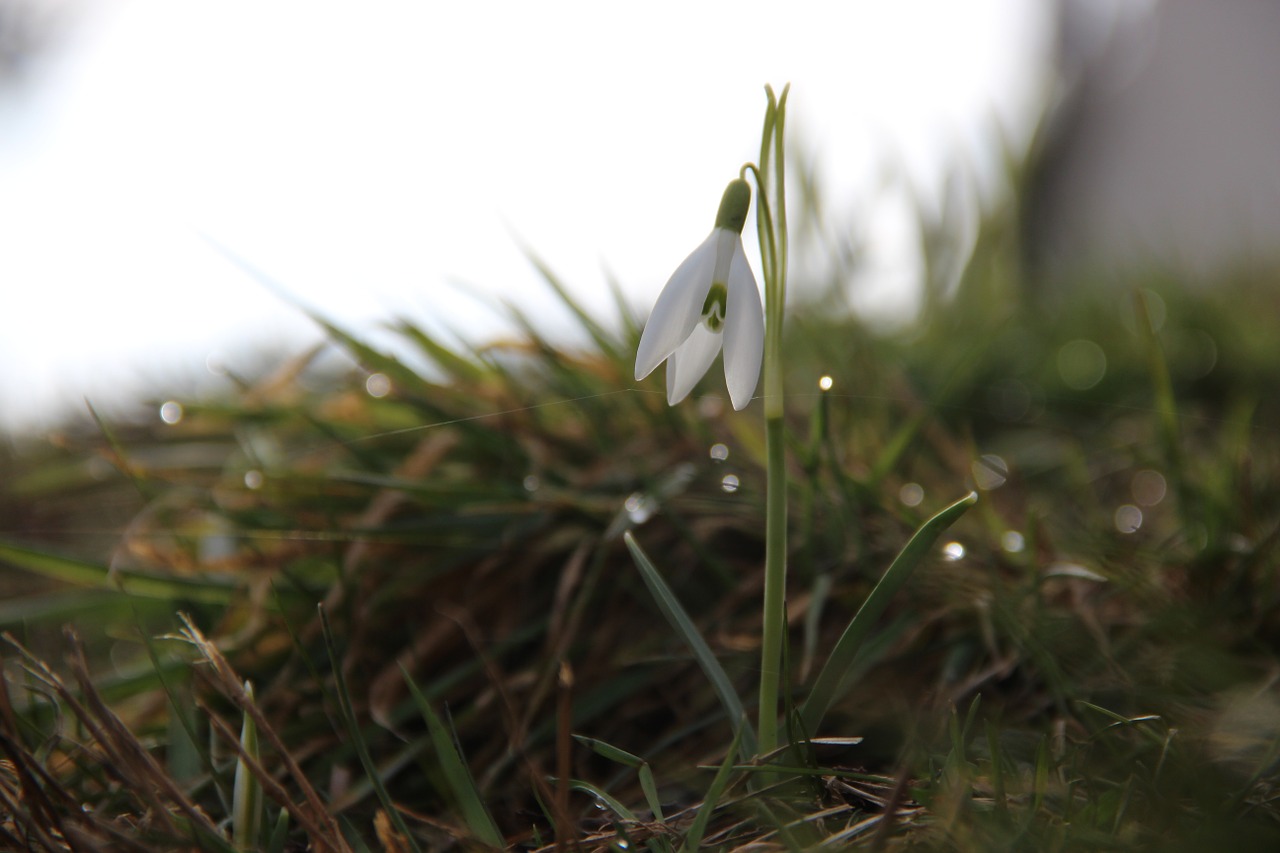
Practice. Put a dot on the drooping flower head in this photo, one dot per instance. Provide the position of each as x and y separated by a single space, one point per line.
711 302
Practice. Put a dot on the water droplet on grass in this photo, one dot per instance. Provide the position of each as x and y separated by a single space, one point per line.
639 508
1013 542
171 412
719 452
377 385
911 494
952 551
1128 518
730 483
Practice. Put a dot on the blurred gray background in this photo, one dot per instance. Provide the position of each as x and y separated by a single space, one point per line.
385 159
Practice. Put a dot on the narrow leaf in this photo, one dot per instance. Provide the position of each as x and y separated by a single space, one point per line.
604 799
697 829
246 793
354 733
609 751
679 619
456 772
846 651
206 590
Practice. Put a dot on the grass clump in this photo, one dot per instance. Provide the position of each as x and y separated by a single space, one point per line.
1086 660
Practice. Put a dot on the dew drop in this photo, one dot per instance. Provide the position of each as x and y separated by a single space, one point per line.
1013 542
531 483
171 412
253 479
639 508
730 483
719 452
377 385
990 471
952 552
1128 518
825 383
911 494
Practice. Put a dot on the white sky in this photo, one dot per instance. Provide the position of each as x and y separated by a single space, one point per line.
371 157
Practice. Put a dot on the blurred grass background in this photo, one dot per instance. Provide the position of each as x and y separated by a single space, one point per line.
1088 662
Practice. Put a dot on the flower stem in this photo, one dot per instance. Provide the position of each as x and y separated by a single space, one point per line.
771 221
775 585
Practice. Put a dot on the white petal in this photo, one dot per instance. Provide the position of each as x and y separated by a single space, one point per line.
678 309
743 331
688 364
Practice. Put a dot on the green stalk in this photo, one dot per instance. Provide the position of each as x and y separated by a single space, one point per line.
775 586
771 222
246 799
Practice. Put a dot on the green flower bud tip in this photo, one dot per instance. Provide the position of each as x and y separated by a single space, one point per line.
733 206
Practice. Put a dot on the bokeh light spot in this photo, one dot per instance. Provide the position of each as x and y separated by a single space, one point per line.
1081 364
911 494
171 412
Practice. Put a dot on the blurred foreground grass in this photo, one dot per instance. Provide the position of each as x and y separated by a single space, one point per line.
1088 662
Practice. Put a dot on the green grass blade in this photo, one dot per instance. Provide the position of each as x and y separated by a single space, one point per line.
463 370
205 590
357 738
1041 778
73 604
145 489
279 833
650 788
607 343
846 651
643 770
370 358
1166 401
679 619
697 829
184 758
896 447
246 795
997 770
609 802
609 751
456 772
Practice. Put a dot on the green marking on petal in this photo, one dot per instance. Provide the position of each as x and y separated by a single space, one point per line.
734 205
713 309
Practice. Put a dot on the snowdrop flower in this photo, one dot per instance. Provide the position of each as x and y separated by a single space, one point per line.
711 300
